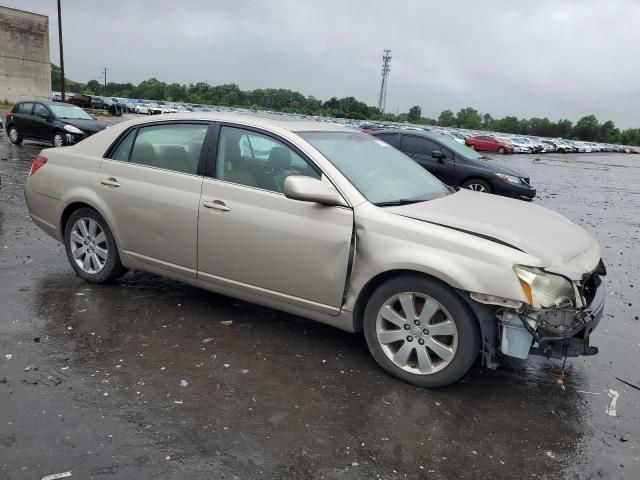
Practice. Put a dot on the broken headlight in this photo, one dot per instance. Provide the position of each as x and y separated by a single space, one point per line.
545 290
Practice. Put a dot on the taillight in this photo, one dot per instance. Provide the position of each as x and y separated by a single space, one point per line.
38 162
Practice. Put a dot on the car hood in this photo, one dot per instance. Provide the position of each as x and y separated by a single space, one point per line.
86 125
491 166
559 245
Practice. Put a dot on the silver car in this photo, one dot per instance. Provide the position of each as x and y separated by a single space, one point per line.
329 224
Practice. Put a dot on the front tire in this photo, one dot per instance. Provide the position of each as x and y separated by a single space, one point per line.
58 139
14 135
501 151
477 185
91 248
420 331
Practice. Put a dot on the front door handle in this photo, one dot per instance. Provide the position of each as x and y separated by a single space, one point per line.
110 182
216 205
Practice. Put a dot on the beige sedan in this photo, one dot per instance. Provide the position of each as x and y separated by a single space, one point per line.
330 224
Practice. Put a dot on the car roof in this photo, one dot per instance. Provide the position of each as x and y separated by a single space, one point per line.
258 120
419 133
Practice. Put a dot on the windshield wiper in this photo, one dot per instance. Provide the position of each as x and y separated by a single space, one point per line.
396 203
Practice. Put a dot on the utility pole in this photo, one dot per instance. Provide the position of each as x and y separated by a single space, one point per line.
104 72
61 52
386 68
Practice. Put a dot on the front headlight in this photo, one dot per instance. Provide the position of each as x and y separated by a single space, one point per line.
508 178
545 290
72 129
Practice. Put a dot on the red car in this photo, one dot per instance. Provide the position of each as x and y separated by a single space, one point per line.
488 143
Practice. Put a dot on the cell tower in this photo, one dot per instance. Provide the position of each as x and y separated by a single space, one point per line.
386 67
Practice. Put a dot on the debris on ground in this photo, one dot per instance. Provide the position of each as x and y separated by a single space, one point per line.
56 476
226 322
184 383
207 340
30 367
628 383
611 409
8 356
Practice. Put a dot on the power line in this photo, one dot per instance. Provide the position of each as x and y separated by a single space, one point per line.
386 68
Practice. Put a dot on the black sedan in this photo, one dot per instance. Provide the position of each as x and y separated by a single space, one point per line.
458 165
57 123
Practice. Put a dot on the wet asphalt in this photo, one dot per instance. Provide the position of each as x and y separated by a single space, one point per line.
150 378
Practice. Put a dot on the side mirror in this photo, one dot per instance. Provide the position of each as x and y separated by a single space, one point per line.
437 154
45 116
308 189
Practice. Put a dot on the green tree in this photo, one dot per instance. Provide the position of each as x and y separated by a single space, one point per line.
414 114
563 128
447 119
587 128
487 121
468 118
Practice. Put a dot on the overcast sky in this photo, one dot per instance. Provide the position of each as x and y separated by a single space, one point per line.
555 58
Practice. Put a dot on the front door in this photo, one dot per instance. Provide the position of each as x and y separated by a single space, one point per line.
41 122
421 150
150 188
253 238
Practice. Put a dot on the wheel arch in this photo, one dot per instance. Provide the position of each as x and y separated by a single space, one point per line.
375 282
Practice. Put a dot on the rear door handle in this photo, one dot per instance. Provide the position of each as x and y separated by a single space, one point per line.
110 182
216 205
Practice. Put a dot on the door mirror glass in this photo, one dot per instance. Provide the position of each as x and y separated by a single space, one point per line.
46 116
438 154
308 189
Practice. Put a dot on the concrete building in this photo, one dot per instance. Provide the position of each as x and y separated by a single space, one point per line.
25 71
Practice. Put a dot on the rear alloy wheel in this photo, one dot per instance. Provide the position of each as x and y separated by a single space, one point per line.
14 136
501 151
472 147
421 331
58 139
477 185
91 248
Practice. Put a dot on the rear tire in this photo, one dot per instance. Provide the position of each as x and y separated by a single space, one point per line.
477 185
472 147
442 339
91 248
14 135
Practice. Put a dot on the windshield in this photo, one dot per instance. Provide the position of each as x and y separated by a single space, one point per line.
70 112
460 149
382 174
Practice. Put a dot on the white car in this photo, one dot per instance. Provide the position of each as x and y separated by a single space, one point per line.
142 108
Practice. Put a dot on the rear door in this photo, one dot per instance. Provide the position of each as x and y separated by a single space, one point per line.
421 150
22 119
150 188
253 239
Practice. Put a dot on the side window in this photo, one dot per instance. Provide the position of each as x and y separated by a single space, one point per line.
40 110
25 108
256 160
124 147
418 145
392 139
173 146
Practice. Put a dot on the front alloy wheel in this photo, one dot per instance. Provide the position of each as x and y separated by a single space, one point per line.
417 333
421 331
58 139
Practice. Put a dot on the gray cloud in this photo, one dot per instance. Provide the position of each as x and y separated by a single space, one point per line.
544 58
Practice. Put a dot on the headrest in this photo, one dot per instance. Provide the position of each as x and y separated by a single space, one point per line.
279 158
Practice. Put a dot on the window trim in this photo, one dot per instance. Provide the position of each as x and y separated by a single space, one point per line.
204 152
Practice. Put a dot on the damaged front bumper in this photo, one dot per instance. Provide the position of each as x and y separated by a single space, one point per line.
553 332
